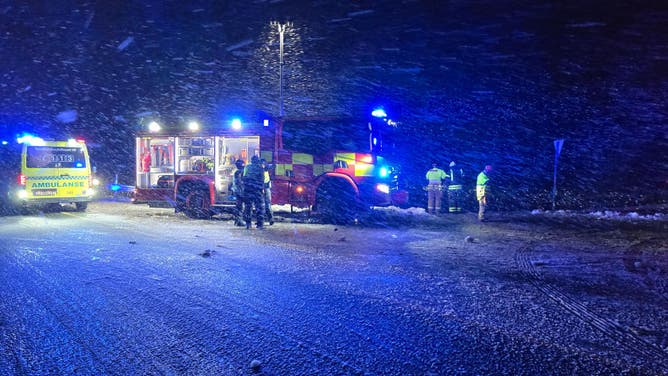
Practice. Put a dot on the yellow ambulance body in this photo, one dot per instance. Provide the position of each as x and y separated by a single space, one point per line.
55 172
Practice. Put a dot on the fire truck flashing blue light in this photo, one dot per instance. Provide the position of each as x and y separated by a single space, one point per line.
383 172
379 113
236 124
115 187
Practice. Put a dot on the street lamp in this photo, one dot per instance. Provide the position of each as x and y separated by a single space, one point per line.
154 127
281 31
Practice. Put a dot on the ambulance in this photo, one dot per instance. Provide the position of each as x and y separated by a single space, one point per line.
52 173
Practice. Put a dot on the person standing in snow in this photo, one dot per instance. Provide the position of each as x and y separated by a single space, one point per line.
238 190
253 179
482 191
269 215
435 177
455 188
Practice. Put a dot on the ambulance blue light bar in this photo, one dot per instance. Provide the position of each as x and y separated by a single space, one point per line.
29 139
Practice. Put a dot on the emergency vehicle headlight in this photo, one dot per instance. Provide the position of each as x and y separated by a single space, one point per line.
22 194
90 192
384 188
96 182
383 172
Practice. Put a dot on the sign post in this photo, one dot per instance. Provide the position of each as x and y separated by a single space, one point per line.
558 144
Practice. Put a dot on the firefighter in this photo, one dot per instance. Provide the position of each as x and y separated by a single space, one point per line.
435 177
482 192
238 190
269 215
253 179
455 188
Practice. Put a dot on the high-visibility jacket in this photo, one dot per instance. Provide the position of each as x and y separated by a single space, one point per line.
267 179
482 185
436 175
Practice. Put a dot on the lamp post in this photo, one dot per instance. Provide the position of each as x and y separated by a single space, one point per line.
281 32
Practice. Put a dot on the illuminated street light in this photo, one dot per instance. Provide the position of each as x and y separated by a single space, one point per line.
154 127
193 126
281 31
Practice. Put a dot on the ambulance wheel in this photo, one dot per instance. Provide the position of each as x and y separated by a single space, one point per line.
81 206
197 205
336 202
52 208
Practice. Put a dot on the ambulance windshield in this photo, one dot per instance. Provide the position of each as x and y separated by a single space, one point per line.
55 157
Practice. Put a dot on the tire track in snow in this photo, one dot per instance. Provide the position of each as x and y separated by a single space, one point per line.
256 303
617 333
243 304
39 291
71 309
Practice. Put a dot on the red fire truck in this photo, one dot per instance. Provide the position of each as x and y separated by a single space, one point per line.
329 165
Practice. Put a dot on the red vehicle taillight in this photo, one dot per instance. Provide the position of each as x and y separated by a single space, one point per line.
22 179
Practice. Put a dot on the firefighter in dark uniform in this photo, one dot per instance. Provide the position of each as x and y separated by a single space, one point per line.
238 190
455 188
253 179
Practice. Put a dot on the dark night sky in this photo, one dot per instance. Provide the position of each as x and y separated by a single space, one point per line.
476 81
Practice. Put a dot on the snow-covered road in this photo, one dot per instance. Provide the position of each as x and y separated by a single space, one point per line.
124 289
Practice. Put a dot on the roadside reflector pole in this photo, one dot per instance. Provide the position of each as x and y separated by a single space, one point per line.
558 144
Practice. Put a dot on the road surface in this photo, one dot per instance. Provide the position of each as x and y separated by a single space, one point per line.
123 289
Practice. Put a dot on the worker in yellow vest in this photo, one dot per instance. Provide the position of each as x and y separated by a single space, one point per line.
482 191
269 214
435 177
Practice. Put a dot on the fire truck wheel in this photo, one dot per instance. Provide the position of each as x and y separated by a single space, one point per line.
336 202
81 206
197 205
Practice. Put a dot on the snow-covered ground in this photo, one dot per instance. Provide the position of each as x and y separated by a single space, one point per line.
126 289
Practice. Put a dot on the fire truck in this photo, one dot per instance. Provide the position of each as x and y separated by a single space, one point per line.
329 165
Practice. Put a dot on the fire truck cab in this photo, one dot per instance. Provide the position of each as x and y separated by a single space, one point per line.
192 169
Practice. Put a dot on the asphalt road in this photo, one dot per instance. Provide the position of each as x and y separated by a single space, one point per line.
128 290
